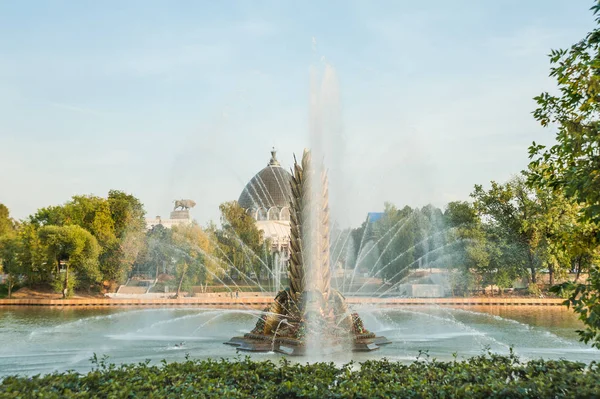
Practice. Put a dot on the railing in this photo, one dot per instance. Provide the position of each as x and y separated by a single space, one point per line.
261 300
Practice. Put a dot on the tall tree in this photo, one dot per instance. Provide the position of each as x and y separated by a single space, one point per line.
32 256
241 242
157 255
127 213
7 225
9 246
558 231
196 261
9 261
117 223
395 233
510 210
572 165
470 256
52 215
77 248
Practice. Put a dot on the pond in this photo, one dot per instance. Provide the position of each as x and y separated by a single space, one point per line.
43 340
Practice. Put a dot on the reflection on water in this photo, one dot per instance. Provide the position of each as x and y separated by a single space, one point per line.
46 340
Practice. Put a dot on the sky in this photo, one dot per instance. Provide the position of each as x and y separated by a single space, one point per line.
184 99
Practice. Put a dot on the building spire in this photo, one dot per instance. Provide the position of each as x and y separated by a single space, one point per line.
274 161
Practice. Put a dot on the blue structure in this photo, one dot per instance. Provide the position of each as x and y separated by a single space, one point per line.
374 216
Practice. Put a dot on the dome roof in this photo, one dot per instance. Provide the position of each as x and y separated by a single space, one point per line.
268 188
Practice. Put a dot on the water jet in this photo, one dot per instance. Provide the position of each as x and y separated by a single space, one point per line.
315 317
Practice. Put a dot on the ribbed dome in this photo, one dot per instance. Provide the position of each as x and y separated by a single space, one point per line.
268 188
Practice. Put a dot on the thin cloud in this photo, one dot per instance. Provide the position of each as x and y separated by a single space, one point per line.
79 109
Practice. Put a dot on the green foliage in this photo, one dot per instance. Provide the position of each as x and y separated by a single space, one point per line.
32 256
127 213
401 240
485 376
463 282
58 283
75 246
116 222
9 262
195 261
7 225
585 301
471 255
129 228
9 248
572 167
240 242
534 289
156 256
573 163
510 211
4 292
395 234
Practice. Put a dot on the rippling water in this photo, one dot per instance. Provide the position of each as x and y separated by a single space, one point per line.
42 340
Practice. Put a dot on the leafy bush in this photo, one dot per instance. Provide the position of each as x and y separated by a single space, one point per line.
4 290
485 376
534 290
585 301
58 284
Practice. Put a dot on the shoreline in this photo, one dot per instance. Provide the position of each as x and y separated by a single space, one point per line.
261 301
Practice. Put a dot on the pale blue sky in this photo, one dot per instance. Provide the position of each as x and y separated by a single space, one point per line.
177 99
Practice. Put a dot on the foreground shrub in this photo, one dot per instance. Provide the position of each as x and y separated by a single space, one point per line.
486 376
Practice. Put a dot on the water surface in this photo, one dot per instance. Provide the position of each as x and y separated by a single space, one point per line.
42 340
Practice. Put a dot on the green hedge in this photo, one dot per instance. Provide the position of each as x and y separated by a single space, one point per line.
486 376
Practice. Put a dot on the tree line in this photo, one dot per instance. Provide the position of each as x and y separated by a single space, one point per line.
547 218
511 231
93 244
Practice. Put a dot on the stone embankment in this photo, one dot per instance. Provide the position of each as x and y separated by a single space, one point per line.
261 300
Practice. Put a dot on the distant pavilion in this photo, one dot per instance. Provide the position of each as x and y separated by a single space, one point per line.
267 198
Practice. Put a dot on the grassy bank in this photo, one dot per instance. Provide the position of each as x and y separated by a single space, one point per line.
486 376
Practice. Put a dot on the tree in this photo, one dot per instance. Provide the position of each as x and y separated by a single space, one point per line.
52 215
470 256
117 223
511 210
77 248
394 237
482 254
93 214
32 256
9 262
9 245
557 230
7 225
241 243
127 214
572 164
432 250
583 298
196 261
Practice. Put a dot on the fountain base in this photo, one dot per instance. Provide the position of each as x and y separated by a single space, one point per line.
293 347
283 328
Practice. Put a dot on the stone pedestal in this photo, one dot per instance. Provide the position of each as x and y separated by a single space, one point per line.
185 214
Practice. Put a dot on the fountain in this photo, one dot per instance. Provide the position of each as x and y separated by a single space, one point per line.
308 317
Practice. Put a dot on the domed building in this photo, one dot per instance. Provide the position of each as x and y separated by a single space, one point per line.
267 198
